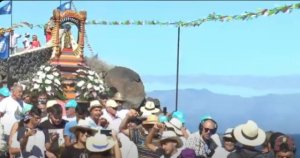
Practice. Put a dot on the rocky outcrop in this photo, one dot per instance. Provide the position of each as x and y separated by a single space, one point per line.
128 83
22 66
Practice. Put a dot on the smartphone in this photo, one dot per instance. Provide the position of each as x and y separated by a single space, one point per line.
165 110
106 132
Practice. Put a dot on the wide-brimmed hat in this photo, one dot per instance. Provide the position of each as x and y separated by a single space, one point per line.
118 97
249 134
27 34
170 136
228 133
71 104
93 104
149 108
99 142
151 119
83 124
179 115
4 91
50 103
176 125
111 103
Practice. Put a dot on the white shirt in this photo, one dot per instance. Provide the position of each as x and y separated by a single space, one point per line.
35 146
114 122
11 110
26 42
14 40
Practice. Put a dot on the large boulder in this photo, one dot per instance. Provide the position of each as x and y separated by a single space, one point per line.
128 83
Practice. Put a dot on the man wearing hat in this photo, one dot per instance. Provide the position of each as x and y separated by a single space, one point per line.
70 110
26 41
169 142
249 135
95 110
110 114
138 134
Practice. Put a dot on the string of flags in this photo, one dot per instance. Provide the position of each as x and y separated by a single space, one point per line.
195 23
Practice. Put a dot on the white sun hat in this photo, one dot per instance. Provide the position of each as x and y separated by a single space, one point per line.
175 124
83 124
228 133
171 136
93 104
249 134
99 142
149 108
111 103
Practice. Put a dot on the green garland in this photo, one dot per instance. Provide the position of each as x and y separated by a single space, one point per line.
198 22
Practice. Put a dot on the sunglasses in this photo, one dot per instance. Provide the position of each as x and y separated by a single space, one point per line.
85 131
212 131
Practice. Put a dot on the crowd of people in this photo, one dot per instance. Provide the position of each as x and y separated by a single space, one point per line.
36 126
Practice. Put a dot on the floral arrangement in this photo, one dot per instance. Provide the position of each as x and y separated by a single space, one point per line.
47 80
89 84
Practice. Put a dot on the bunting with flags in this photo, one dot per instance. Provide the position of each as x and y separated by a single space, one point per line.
65 6
4 46
6 9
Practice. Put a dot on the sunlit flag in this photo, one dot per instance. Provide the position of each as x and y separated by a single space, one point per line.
4 47
6 9
65 6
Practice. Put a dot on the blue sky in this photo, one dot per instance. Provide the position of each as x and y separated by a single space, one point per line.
246 58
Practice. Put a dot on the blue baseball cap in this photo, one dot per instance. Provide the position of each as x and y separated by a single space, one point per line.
26 107
179 116
71 104
4 91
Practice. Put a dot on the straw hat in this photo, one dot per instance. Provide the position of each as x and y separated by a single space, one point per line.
151 119
149 108
99 142
111 103
118 97
50 103
93 104
175 124
83 124
170 136
249 134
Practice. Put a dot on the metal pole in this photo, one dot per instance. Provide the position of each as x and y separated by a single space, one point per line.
177 68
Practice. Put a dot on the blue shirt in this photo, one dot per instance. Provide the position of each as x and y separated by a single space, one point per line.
67 131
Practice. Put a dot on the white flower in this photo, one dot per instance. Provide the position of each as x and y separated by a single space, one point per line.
57 81
55 74
91 77
39 80
47 68
91 72
96 81
36 86
48 81
42 67
96 88
42 75
89 86
48 88
50 77
39 73
80 83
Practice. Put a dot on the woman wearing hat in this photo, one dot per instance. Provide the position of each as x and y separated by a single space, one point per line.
78 150
102 146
